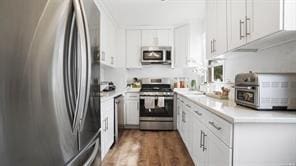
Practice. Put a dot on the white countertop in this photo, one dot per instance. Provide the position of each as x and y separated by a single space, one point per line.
233 113
109 95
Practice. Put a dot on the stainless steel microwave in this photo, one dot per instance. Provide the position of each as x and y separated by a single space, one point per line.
156 55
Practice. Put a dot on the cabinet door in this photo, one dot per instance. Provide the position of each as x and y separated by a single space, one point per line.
236 13
263 18
133 48
182 130
189 130
104 37
156 37
218 154
179 114
187 127
104 136
198 154
149 38
132 110
108 42
110 126
181 42
220 40
163 36
211 27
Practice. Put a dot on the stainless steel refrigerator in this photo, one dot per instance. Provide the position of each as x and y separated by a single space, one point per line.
49 105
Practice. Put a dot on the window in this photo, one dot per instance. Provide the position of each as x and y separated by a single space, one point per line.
216 71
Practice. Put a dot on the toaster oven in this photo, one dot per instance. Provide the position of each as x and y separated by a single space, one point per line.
266 91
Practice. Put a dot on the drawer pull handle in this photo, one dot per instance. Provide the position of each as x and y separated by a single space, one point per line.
215 126
204 148
201 139
188 106
198 113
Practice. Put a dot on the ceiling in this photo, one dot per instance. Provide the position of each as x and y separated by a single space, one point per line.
155 12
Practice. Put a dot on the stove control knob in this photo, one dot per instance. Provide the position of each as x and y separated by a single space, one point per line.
252 79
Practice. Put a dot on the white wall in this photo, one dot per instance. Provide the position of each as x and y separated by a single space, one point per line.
117 75
155 71
277 59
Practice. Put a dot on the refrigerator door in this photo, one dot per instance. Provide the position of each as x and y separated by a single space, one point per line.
90 119
35 128
45 84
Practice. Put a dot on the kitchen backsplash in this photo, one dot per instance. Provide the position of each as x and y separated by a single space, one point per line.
276 59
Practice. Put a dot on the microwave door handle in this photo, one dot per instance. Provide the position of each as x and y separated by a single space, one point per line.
245 87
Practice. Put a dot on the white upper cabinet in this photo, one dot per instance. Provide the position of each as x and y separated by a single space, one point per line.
220 41
133 48
211 27
156 37
263 18
189 44
108 39
181 37
257 24
216 28
236 23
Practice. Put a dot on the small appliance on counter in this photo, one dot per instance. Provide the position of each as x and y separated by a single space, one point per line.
107 86
136 83
266 91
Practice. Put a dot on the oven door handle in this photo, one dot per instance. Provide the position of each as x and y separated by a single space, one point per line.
156 97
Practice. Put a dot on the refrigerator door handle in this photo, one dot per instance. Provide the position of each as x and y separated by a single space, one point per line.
83 72
95 140
87 65
93 154
72 73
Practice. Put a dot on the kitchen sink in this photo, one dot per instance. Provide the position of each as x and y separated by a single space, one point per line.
195 93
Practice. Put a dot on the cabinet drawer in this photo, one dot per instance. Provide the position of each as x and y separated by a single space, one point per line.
107 104
221 128
131 96
200 113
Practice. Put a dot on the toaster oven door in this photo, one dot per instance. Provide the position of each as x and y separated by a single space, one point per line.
247 96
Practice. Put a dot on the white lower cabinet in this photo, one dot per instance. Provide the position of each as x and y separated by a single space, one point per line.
213 141
132 110
198 155
107 126
179 113
203 142
218 154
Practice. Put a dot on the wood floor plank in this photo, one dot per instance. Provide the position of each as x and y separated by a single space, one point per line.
148 148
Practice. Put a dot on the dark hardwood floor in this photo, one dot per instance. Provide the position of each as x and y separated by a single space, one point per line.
148 148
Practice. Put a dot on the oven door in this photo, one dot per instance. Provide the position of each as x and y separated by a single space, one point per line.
247 96
150 56
166 111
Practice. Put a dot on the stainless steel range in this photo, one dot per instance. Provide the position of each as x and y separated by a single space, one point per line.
156 105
